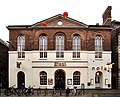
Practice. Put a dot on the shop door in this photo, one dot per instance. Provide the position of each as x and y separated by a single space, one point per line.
60 79
98 79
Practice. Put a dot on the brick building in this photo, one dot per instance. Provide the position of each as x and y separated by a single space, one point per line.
3 64
115 45
115 36
61 52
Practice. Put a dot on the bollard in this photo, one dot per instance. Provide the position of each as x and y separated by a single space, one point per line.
0 88
45 91
60 92
38 91
67 92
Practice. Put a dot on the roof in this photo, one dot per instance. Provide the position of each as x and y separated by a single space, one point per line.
3 42
59 16
77 24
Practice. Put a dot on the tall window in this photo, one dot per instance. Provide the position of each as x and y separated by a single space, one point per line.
76 78
60 46
43 46
21 47
76 46
98 46
43 78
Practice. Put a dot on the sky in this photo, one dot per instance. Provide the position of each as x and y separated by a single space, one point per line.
28 12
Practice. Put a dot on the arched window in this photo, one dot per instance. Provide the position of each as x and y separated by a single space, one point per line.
98 46
76 46
76 78
59 46
21 46
43 78
43 46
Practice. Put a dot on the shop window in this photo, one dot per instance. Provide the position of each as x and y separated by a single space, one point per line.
76 78
21 47
43 78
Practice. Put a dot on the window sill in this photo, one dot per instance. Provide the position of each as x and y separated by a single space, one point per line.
76 59
42 58
59 58
20 58
99 59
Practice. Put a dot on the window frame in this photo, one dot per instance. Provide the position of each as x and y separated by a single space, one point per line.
60 46
21 46
76 78
43 78
76 46
98 46
43 43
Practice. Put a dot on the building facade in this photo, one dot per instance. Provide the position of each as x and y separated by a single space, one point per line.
60 52
115 45
3 64
115 36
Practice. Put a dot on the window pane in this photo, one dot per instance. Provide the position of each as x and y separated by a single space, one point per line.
98 43
45 54
78 54
21 43
21 46
98 54
57 54
59 46
98 47
74 54
23 54
19 54
76 43
76 78
41 54
62 54
43 43
43 78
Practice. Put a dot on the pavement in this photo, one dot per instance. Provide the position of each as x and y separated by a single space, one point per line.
88 93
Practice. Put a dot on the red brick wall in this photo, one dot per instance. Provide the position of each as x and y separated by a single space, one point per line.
87 38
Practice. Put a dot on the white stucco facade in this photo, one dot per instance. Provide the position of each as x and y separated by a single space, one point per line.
87 65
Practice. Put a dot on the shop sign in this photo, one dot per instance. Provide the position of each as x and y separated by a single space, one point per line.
99 68
60 64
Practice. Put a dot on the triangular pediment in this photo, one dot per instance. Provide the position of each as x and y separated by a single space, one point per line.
60 21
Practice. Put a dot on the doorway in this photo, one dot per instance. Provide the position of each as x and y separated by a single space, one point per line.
21 79
98 79
60 79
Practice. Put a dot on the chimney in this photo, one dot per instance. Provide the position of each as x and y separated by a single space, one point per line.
107 16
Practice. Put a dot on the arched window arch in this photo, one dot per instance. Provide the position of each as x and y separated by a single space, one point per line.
21 46
43 46
60 46
98 46
43 78
76 46
76 78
